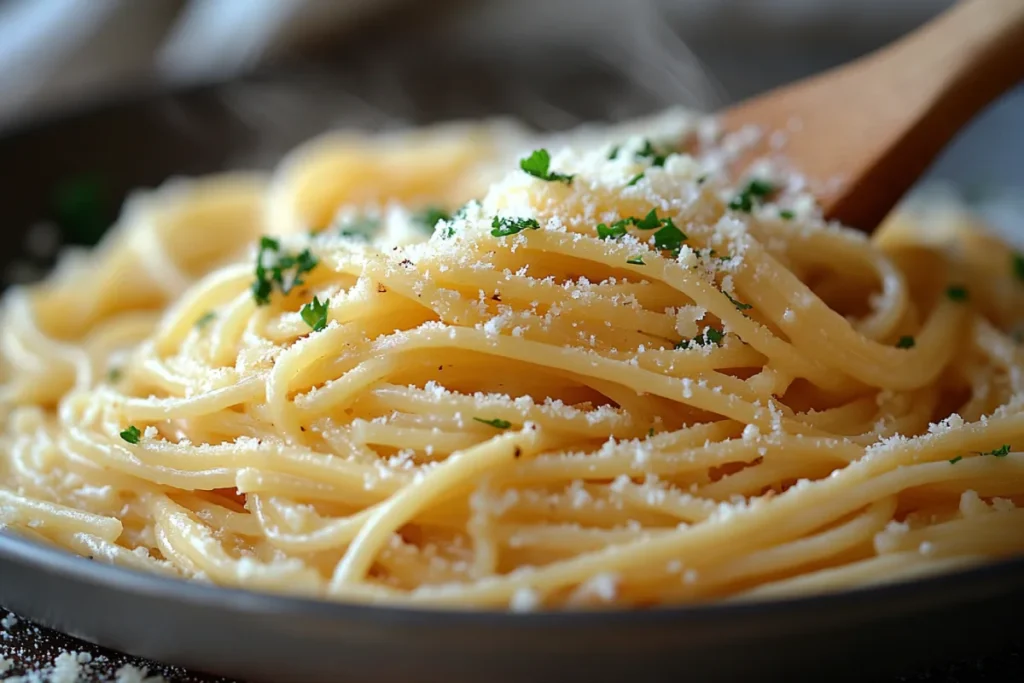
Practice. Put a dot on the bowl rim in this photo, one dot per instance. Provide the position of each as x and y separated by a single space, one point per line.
993 578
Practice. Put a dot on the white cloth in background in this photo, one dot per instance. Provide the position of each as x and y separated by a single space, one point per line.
54 51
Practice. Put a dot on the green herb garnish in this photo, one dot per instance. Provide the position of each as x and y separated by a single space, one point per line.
905 342
1018 266
314 314
957 293
537 165
503 227
131 435
708 337
740 306
751 195
1000 452
956 460
614 232
648 152
636 261
284 269
669 237
787 215
114 375
205 319
635 179
360 227
614 152
650 432
429 217
497 423
650 221
81 207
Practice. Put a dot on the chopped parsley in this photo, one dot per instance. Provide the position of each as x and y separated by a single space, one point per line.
711 253
669 237
131 435
1000 452
497 423
708 337
956 460
1018 266
314 314
635 179
205 319
905 342
751 195
648 222
114 375
648 152
787 214
650 432
82 208
740 306
503 227
360 227
537 165
614 152
702 179
429 217
282 268
617 230
957 293
636 261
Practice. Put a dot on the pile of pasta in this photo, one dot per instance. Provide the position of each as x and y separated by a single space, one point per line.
475 368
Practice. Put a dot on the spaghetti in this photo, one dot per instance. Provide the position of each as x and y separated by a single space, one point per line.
615 375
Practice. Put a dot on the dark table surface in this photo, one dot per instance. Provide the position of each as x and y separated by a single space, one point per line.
33 649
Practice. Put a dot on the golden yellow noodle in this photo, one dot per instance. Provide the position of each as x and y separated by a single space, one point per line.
623 378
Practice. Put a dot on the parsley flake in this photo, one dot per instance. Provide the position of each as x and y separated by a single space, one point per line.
905 342
1018 266
1000 452
787 215
751 195
709 337
497 423
205 319
614 152
360 227
314 314
429 217
537 165
956 460
669 237
648 152
957 293
503 227
131 435
114 375
617 230
650 221
635 179
273 266
636 261
740 306
650 432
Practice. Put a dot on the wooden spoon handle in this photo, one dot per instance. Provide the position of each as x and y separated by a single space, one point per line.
867 130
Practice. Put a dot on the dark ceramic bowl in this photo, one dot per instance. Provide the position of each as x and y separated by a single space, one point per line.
74 172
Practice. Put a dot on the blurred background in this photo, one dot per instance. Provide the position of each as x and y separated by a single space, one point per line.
385 63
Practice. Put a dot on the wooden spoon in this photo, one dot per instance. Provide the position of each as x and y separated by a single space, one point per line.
862 133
